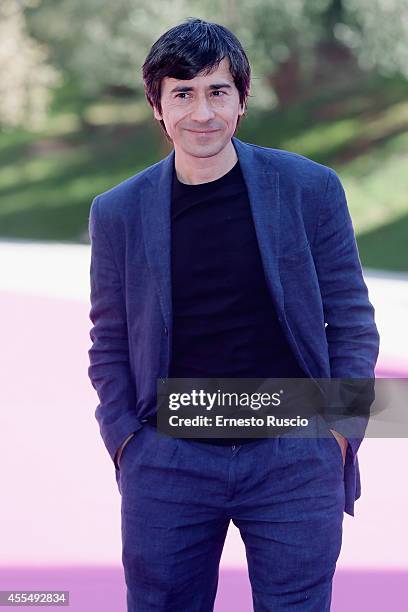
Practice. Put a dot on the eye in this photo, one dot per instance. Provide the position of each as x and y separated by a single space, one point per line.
184 93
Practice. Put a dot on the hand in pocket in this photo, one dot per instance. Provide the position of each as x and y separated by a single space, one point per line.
122 448
343 443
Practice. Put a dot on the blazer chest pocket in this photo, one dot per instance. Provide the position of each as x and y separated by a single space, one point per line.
295 259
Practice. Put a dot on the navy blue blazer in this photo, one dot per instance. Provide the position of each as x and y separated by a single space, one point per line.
312 268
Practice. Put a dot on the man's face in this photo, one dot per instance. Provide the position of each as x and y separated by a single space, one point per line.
200 114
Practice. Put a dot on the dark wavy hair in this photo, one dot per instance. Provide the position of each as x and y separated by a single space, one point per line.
192 47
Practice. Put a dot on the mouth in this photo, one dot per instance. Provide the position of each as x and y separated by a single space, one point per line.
203 131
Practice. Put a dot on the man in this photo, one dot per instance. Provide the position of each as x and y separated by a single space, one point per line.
224 259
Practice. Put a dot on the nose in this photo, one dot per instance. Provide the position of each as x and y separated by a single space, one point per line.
202 110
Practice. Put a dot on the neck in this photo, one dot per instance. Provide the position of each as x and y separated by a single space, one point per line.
196 170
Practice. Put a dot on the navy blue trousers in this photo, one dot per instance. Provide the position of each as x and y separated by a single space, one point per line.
285 495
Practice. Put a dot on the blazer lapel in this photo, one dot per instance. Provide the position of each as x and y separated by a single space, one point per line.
156 220
262 182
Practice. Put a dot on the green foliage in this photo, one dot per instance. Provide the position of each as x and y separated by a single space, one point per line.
100 44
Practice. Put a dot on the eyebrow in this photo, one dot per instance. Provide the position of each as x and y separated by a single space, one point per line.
189 88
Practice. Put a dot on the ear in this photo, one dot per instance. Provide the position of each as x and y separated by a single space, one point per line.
157 115
241 109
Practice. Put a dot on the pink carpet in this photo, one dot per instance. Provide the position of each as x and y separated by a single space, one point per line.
102 589
60 517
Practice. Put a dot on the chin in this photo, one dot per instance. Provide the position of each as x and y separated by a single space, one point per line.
205 148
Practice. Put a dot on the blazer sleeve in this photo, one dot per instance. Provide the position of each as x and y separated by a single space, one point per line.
109 368
351 332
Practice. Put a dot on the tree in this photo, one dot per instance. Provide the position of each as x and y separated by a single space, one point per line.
293 46
25 73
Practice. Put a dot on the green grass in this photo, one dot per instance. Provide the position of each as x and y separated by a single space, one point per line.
363 135
48 179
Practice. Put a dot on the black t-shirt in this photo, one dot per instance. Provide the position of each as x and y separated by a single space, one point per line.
224 319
